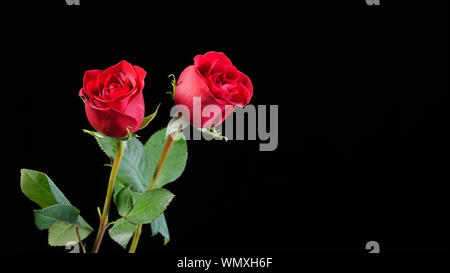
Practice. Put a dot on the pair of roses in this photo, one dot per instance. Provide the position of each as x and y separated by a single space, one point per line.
115 107
114 102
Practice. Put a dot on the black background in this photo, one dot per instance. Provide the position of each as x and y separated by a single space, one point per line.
363 121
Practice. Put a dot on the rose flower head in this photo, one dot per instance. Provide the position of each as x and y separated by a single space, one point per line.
113 98
212 81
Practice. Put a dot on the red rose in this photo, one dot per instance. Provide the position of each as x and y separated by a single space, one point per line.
113 98
217 82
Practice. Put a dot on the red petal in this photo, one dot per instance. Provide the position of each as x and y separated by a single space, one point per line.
141 73
244 80
203 64
217 66
212 55
90 81
136 109
241 96
192 84
123 72
109 121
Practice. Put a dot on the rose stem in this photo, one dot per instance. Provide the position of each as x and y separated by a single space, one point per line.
162 159
135 241
77 231
109 192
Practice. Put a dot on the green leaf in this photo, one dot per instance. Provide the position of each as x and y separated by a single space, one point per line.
134 167
135 196
118 186
45 217
150 206
61 233
176 159
39 188
149 118
124 201
160 226
84 226
122 231
108 145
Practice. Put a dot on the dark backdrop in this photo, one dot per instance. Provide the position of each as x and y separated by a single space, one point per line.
363 121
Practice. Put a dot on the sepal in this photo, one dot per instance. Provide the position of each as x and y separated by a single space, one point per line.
149 118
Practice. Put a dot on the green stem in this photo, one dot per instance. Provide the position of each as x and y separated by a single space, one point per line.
162 159
108 198
134 243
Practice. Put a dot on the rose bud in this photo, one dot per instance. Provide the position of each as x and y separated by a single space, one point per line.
212 81
113 98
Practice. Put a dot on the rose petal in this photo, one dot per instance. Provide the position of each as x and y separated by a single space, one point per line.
245 80
119 104
202 64
123 72
141 73
82 93
240 96
192 84
213 55
136 109
217 66
109 121
90 81
231 72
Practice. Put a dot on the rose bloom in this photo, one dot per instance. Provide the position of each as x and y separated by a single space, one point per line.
113 98
216 81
